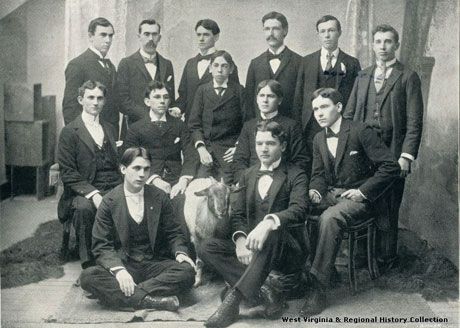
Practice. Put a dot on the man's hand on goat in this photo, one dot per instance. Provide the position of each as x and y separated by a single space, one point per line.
205 156
126 282
228 156
163 185
182 257
179 187
243 254
258 236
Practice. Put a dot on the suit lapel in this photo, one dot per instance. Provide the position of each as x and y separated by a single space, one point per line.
365 80
109 138
141 66
324 151
278 179
340 59
98 66
315 68
342 142
394 76
251 188
84 135
152 213
121 216
162 67
284 62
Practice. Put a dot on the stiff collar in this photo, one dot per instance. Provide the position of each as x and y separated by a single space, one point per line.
272 167
208 51
153 118
335 127
146 55
278 51
89 119
140 193
388 63
97 52
268 116
223 85
324 52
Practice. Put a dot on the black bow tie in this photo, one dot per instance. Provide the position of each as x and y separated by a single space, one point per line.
205 57
331 134
273 56
149 60
261 173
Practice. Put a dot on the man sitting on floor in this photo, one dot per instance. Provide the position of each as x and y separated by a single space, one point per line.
352 168
134 226
273 196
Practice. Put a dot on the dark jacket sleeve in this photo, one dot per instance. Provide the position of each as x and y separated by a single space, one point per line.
414 112
171 83
126 104
349 112
250 91
132 137
318 180
238 220
195 122
191 158
181 100
299 93
297 149
242 156
74 78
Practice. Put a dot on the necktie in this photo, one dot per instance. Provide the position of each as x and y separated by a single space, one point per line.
380 78
106 62
149 60
220 91
331 134
159 124
205 57
329 57
273 56
261 173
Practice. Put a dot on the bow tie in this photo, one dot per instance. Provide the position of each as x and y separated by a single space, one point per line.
261 173
159 123
205 57
273 56
331 134
150 60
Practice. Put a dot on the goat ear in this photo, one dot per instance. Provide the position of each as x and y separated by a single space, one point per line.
222 180
204 192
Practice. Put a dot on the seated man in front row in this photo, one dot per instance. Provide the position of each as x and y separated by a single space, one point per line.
352 168
273 196
134 225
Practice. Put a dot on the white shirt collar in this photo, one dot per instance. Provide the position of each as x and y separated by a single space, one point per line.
132 194
335 127
223 85
208 51
273 166
324 52
153 118
388 63
97 52
278 51
89 119
146 55
268 116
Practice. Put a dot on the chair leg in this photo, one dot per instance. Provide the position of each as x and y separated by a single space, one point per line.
351 263
65 252
372 260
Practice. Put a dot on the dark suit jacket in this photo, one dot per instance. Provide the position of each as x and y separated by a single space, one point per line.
190 82
77 165
259 70
362 161
81 69
165 146
110 230
402 98
288 197
217 119
133 78
307 82
245 153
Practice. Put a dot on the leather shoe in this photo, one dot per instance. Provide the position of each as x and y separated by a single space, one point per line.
227 313
169 303
274 302
314 304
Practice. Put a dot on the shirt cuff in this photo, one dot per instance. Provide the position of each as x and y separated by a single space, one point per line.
275 219
187 177
317 193
199 143
91 194
152 177
115 270
362 194
408 156
177 253
236 234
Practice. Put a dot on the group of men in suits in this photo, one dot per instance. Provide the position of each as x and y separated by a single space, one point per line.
294 131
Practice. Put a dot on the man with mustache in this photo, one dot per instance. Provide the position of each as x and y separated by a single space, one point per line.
94 65
136 71
277 63
388 97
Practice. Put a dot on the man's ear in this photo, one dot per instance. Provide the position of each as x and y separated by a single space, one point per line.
80 100
339 107
122 169
216 37
147 102
397 46
159 38
203 192
283 146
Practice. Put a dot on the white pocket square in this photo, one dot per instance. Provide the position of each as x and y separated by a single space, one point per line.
353 152
119 143
343 68
169 78
176 140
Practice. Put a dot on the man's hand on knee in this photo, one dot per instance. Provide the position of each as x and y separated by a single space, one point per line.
258 236
126 282
243 254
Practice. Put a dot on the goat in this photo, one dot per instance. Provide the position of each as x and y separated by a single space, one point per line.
206 212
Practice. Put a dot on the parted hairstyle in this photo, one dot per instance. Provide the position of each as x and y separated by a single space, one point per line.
222 53
208 24
274 86
149 22
386 28
131 153
327 18
274 128
154 85
100 21
278 16
330 93
90 85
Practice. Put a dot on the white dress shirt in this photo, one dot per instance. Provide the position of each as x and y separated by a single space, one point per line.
151 67
135 203
97 52
332 142
275 63
203 65
379 69
323 57
223 85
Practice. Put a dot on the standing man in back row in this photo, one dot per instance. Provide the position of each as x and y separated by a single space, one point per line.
143 66
93 65
328 67
277 63
196 70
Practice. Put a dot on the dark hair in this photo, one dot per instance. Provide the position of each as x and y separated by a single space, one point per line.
91 85
208 24
274 128
274 85
225 54
149 22
327 18
154 85
386 28
278 16
330 93
100 21
130 154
